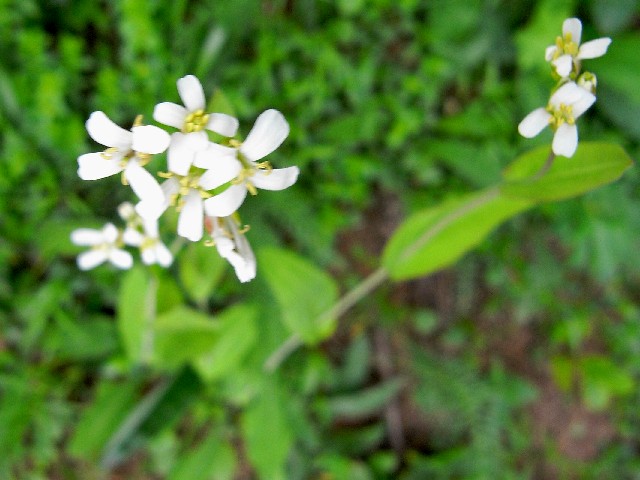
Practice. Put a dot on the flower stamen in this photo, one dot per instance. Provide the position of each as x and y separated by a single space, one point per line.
195 121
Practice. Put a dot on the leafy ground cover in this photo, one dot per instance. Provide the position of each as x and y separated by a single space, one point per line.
522 361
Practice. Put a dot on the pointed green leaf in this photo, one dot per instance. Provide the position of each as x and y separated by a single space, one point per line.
593 165
304 293
436 237
237 334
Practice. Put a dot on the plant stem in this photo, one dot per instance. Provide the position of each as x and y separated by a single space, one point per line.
150 304
370 283
546 167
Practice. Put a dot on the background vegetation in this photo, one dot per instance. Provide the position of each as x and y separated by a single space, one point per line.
521 362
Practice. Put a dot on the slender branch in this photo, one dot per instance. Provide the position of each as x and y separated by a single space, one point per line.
352 297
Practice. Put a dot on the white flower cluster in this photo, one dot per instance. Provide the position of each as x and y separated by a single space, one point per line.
205 181
574 92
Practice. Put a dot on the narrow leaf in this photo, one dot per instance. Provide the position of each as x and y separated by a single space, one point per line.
593 165
136 305
436 237
213 459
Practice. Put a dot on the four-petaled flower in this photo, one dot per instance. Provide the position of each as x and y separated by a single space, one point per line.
565 106
268 132
143 233
105 245
191 120
567 52
127 152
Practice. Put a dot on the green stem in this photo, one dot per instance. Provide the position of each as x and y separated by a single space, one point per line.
352 297
150 307
546 167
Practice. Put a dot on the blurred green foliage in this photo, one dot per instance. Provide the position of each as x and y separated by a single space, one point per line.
394 105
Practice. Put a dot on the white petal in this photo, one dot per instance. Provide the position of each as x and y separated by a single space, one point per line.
148 255
574 27
224 170
534 123
143 184
107 133
208 157
191 93
93 166
86 237
583 103
151 228
120 258
163 255
150 211
110 233
223 124
132 237
190 222
267 134
149 139
180 154
550 52
170 114
224 245
567 94
564 65
91 259
277 179
565 140
594 48
227 202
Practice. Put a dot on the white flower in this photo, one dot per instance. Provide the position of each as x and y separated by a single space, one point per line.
565 106
152 250
128 151
191 120
187 192
567 52
233 246
105 245
267 134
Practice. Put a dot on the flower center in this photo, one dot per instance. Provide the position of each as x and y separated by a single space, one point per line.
249 169
566 46
195 121
188 182
560 114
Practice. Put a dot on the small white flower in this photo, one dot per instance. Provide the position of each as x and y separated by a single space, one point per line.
191 120
233 246
128 151
567 52
105 245
267 134
565 106
152 250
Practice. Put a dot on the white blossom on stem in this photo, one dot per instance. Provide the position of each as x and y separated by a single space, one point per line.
233 246
128 151
565 106
105 245
566 54
192 121
267 134
143 233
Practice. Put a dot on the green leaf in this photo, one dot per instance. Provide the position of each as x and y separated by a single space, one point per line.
236 335
201 269
364 403
101 419
183 334
593 165
436 237
136 305
304 293
213 459
267 433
